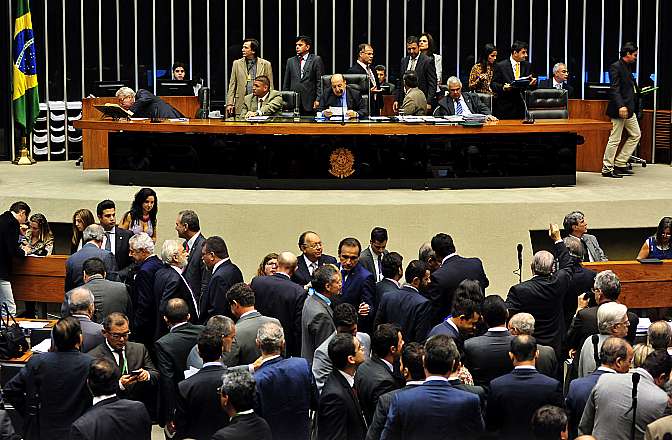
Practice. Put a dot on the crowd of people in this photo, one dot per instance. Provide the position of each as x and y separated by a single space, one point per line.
361 345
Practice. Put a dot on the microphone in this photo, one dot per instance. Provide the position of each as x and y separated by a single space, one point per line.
529 119
519 249
635 382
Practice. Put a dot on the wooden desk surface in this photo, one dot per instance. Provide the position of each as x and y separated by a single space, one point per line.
40 279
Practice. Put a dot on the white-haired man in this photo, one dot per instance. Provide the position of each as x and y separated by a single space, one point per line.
142 251
612 320
523 324
92 237
458 103
558 80
144 104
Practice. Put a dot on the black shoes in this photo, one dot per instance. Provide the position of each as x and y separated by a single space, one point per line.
624 171
612 174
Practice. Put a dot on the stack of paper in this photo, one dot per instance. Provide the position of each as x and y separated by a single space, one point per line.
476 117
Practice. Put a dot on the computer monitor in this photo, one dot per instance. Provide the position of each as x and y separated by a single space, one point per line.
597 90
167 87
108 88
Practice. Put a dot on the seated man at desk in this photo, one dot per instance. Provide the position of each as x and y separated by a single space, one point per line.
458 103
415 102
262 101
342 95
144 104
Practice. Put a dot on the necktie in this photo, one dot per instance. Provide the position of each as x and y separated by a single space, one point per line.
186 246
458 107
122 361
312 268
517 71
380 267
260 102
558 86
344 101
411 64
108 245
371 77
344 275
302 63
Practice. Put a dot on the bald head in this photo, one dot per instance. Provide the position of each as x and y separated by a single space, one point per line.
337 84
287 263
542 263
81 302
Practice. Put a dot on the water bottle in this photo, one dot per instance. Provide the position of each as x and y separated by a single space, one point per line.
297 114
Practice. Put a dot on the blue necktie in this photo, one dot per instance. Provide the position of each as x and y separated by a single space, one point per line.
458 107
344 101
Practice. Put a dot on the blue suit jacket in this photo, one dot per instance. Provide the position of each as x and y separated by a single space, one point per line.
359 287
286 390
407 308
74 266
579 391
433 410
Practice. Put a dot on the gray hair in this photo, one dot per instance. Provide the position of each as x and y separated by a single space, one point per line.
659 334
574 246
271 337
426 252
454 80
170 249
608 315
220 324
522 323
125 92
557 66
93 232
612 349
608 283
542 263
80 300
240 386
141 242
572 219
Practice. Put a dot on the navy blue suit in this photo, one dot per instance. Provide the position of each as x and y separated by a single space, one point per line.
146 304
515 397
286 390
434 410
407 308
213 300
579 392
302 274
445 329
360 286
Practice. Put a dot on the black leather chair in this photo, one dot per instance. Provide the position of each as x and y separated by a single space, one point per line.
359 82
547 103
290 99
486 99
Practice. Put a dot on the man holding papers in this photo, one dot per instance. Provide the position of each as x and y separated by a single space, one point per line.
342 96
262 101
461 104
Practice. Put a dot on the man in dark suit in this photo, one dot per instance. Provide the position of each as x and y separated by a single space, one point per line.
615 357
371 258
196 273
392 271
407 307
92 237
171 354
237 398
116 239
317 322
623 109
81 306
509 103
278 378
146 304
359 285
311 258
558 80
454 269
277 296
362 66
138 376
462 321
517 395
50 392
342 96
435 409
198 412
377 375
487 356
10 222
387 87
224 275
110 417
339 415
581 283
226 328
424 68
144 104
303 75
546 363
458 103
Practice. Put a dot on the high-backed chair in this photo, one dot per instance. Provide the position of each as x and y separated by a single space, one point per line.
290 99
486 99
547 103
359 82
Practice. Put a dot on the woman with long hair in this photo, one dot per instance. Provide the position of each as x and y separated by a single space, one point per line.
269 265
426 45
658 245
80 220
38 241
481 74
142 215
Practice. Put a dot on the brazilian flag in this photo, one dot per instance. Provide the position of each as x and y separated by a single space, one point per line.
25 96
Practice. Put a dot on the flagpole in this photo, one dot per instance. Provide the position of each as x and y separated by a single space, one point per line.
10 14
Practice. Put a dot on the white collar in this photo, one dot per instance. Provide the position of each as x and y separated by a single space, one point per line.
394 281
209 364
411 287
242 413
172 329
389 365
270 358
177 269
219 263
304 57
452 324
555 83
309 263
123 350
447 257
525 367
263 98
436 378
245 314
97 399
513 62
606 369
415 382
374 253
498 329
192 240
350 379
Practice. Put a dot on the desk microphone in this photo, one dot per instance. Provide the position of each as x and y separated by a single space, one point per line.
519 249
529 119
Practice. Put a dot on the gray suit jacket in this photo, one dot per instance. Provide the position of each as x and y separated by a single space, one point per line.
238 81
109 296
366 259
309 86
317 324
244 349
608 413
272 105
322 367
415 103
92 332
594 250
547 362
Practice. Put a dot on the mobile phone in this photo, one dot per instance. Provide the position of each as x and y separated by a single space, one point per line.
135 372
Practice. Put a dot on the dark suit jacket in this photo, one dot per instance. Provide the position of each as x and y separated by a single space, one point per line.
121 247
9 244
196 273
548 84
487 356
147 105
213 301
425 69
515 397
286 391
380 415
624 90
339 416
302 274
92 332
382 287
375 99
509 104
582 282
146 302
168 284
584 325
577 396
446 278
59 381
245 427
309 86
74 266
113 419
198 411
366 259
446 329
352 96
278 297
373 379
434 410
407 308
447 105
171 356
358 287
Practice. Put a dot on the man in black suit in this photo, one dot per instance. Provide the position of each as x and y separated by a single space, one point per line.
425 70
92 237
278 297
623 108
224 275
339 414
463 319
362 66
144 104
377 375
387 88
458 103
407 307
110 417
10 222
359 285
116 239
522 324
392 272
198 413
146 304
171 354
558 80
427 255
237 399
50 392
311 257
454 269
303 75
81 306
138 376
342 96
196 273
487 356
372 257
509 103
517 395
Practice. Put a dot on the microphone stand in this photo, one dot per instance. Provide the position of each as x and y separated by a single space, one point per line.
633 427
529 119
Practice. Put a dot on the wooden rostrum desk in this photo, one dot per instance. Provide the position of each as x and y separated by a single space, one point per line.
329 155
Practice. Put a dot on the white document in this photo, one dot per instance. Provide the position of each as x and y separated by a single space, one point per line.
190 372
257 118
338 111
42 347
32 324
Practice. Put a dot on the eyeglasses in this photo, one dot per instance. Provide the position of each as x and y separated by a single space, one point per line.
119 335
314 245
